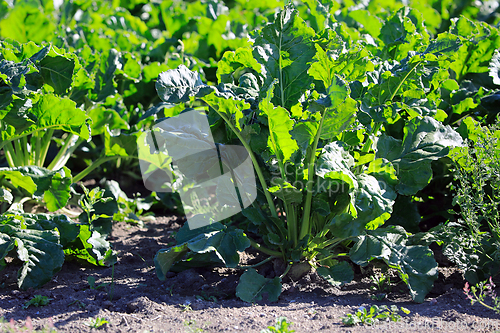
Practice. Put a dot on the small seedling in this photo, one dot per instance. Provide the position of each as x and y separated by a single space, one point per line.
171 290
206 297
38 300
190 326
80 304
110 287
374 315
186 306
382 283
91 281
97 322
282 326
379 297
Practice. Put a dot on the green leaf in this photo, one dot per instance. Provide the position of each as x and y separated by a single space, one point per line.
334 164
253 286
36 26
232 61
103 117
338 274
53 186
212 238
226 245
91 246
369 22
51 112
166 258
284 48
42 241
285 191
337 120
57 72
177 85
230 109
372 207
415 263
280 140
58 193
425 140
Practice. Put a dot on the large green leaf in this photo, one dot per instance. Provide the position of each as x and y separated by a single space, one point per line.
51 112
58 72
280 141
212 238
42 240
415 263
284 49
334 164
53 186
253 286
165 259
372 207
425 140
338 274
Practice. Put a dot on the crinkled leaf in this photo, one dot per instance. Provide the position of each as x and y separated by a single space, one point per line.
495 67
230 109
284 48
212 238
53 186
425 140
373 206
5 196
415 263
177 85
234 60
334 164
42 240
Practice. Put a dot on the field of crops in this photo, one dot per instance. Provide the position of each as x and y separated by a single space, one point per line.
211 165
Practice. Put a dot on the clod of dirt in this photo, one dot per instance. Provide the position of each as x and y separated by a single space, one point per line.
139 304
190 278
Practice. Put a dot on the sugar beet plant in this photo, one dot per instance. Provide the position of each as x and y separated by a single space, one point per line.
337 131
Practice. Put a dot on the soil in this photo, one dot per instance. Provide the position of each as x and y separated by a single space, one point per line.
203 300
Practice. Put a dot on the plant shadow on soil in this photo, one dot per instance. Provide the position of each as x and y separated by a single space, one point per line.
136 296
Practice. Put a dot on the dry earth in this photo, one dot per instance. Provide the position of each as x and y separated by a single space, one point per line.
203 300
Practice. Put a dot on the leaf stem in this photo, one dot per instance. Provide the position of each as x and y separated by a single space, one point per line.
93 166
368 144
19 153
286 271
260 175
304 230
10 155
46 139
258 264
265 250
